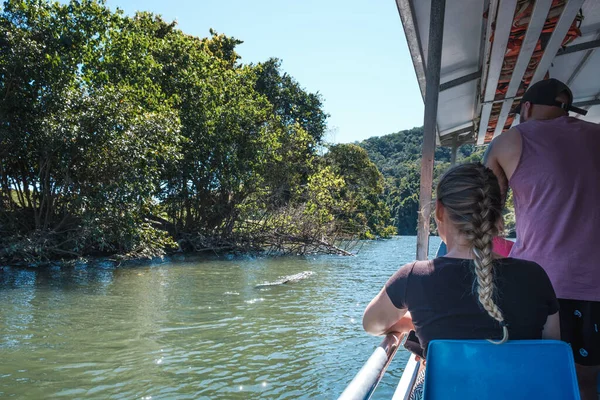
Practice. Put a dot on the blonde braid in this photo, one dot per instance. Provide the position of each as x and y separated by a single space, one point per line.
483 232
471 193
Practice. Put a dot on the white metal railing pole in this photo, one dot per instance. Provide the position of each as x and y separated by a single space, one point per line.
407 381
366 380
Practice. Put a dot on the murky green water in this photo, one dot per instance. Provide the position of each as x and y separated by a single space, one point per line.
194 330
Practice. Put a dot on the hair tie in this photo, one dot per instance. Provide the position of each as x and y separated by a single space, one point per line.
504 324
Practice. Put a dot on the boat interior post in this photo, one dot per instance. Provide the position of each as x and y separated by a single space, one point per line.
432 77
481 57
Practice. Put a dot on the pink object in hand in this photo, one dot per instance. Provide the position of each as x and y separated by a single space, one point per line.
502 246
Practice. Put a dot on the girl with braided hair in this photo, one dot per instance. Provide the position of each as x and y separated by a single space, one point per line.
471 292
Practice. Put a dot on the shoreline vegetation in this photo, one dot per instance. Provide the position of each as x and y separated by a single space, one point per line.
123 137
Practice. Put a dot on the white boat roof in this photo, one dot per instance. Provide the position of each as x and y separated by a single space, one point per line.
471 108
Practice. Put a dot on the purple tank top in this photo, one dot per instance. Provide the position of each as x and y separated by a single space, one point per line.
556 189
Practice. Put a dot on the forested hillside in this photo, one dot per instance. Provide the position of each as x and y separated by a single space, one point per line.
398 157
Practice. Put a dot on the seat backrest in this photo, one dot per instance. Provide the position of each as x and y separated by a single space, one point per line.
519 369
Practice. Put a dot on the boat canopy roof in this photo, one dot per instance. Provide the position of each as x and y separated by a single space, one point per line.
492 50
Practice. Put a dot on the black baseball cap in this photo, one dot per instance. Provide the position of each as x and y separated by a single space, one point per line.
545 93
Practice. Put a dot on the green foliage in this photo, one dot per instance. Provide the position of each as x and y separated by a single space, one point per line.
291 103
364 208
398 157
324 189
509 216
74 152
122 135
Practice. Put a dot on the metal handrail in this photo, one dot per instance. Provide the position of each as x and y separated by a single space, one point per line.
408 378
366 380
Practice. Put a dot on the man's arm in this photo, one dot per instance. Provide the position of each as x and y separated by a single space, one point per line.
490 160
502 156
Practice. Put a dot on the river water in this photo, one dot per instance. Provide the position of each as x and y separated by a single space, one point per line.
194 329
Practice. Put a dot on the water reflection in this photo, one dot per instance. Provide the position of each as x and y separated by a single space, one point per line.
192 329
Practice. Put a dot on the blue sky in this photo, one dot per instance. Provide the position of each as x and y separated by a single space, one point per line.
353 52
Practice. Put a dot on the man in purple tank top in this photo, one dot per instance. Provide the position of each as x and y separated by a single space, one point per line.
551 161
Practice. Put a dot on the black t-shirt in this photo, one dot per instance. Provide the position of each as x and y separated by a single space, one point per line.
443 304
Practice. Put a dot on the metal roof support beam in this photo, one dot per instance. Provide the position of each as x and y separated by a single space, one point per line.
486 112
434 63
536 24
454 150
594 44
460 81
462 128
588 103
562 27
506 13
582 64
463 132
492 11
411 31
463 136
462 140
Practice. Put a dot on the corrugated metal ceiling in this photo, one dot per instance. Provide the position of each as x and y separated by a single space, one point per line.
467 51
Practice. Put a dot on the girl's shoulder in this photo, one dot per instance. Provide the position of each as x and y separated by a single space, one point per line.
521 266
414 268
518 262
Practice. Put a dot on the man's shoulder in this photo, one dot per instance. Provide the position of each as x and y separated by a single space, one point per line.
509 138
587 124
506 143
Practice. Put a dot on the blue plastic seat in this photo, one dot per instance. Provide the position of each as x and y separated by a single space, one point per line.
520 369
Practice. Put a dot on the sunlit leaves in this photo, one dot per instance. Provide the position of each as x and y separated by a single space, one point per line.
121 134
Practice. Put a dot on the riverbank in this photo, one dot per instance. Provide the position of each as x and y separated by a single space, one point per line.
347 248
177 143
